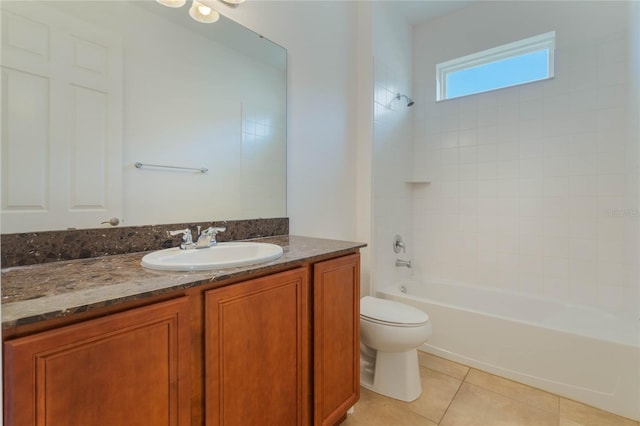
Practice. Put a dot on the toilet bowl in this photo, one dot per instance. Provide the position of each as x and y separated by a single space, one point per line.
390 333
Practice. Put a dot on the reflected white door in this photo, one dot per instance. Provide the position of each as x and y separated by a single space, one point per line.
61 121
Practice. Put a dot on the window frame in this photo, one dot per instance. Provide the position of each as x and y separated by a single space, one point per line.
517 48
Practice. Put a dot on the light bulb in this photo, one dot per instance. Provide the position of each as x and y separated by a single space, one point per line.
172 3
203 13
204 10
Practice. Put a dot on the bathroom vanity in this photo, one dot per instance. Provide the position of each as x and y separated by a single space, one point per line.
105 341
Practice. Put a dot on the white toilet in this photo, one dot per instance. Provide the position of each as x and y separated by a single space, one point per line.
390 333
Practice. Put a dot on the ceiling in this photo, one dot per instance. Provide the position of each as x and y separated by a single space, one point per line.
418 11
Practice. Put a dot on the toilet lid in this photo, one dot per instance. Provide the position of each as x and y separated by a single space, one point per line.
391 312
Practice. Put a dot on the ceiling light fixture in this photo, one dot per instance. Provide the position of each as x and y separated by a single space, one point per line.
203 13
172 3
199 11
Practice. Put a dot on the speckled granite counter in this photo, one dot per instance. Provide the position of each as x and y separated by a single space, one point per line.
40 292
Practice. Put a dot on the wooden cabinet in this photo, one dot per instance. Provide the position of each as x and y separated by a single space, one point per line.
129 368
256 351
281 350
336 325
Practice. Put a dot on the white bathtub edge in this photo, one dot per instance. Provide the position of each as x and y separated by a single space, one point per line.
550 360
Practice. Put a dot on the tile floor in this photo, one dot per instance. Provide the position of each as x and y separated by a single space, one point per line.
456 395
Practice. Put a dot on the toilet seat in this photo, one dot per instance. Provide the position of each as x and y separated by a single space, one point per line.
389 312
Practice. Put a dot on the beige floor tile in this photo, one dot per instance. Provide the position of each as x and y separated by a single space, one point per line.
574 413
442 365
477 406
377 410
567 422
438 391
513 390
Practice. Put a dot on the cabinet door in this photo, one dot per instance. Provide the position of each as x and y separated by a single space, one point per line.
256 351
336 330
130 368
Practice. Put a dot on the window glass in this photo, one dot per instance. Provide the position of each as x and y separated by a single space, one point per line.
515 63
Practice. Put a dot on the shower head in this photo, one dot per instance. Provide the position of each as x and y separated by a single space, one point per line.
409 100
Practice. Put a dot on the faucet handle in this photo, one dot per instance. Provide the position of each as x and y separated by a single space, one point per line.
398 244
178 232
212 231
215 229
187 238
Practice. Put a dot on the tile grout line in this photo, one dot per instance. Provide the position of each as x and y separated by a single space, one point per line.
518 401
454 396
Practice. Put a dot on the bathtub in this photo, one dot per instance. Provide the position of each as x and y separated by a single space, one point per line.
581 353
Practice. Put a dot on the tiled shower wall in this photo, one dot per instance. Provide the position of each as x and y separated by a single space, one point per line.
534 189
392 144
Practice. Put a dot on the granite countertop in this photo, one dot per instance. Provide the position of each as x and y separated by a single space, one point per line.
40 292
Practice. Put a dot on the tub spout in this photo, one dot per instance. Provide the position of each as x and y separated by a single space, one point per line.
400 262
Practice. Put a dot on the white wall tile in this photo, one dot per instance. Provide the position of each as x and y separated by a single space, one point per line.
468 188
508 188
555 186
508 169
532 206
467 120
449 156
584 293
556 166
583 249
487 135
449 139
535 174
508 151
488 188
531 245
612 184
532 187
449 122
610 274
611 297
467 136
468 154
468 171
583 226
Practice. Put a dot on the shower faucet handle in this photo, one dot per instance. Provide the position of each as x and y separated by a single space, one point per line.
398 244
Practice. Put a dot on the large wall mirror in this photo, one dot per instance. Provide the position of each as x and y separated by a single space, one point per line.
90 88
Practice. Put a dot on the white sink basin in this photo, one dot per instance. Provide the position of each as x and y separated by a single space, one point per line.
223 255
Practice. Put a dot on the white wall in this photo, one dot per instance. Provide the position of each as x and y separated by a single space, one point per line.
320 38
633 148
364 141
532 185
392 146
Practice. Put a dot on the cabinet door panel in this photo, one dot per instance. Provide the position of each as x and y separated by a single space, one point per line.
256 351
336 328
130 368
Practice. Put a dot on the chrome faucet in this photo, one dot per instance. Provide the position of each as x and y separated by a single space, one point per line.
206 238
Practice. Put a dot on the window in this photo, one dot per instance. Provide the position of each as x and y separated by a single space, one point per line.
515 63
